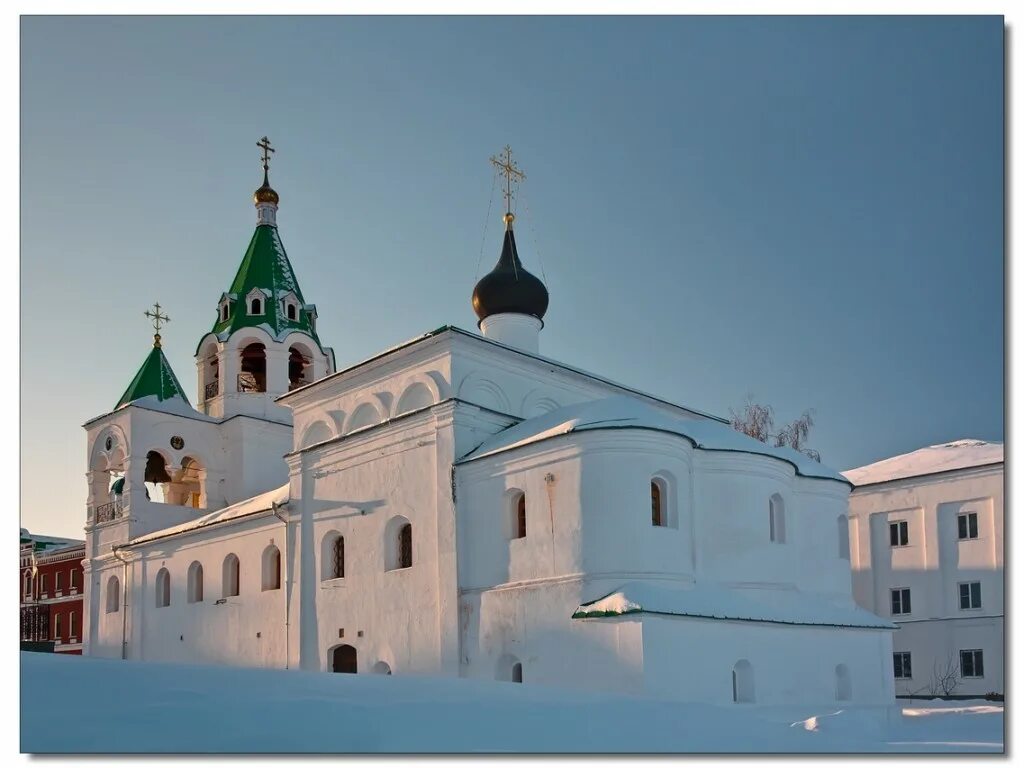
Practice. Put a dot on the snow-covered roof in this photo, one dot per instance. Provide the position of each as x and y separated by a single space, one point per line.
172 405
622 412
717 602
959 454
261 503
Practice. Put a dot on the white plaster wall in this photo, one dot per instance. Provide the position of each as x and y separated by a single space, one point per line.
532 623
355 487
206 631
792 665
932 565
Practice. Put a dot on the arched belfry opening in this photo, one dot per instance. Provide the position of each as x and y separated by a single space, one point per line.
300 367
210 371
188 488
343 659
253 375
156 477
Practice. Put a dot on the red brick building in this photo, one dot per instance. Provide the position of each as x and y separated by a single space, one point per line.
51 587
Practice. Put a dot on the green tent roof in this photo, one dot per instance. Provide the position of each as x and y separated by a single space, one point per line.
155 377
265 266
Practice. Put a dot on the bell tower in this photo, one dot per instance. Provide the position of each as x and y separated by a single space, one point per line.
264 341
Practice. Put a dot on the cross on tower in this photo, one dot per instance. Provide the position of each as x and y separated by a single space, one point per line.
157 319
264 144
507 168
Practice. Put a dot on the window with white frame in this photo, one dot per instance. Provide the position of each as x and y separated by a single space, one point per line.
967 525
900 601
71 625
971 664
901 665
899 533
56 581
970 595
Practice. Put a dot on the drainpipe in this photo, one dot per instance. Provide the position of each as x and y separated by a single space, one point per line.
124 601
274 506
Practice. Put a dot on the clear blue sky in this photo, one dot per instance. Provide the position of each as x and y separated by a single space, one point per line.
809 211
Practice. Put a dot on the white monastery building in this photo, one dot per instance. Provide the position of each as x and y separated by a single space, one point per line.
460 505
927 545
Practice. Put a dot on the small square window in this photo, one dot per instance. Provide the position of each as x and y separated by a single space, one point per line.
971 664
967 525
900 601
970 595
901 666
899 533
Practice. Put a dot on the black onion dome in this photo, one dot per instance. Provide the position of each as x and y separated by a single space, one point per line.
509 287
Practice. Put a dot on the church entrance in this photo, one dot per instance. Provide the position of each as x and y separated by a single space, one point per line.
343 659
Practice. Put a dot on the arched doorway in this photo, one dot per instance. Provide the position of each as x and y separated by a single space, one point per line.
343 659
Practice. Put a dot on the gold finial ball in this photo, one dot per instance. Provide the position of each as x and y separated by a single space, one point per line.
509 218
265 194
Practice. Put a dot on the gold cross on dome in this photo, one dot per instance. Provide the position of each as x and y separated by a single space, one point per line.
264 144
507 168
158 319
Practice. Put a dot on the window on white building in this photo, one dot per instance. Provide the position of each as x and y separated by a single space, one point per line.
271 568
743 682
967 525
901 666
338 558
517 512
517 672
195 582
844 685
899 533
970 595
900 601
971 664
843 528
231 578
163 588
657 504
777 519
113 594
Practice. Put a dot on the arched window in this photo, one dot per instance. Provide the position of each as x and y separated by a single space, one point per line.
256 308
225 310
517 514
381 668
844 686
253 377
844 537
26 584
231 576
509 669
271 568
338 558
292 313
743 682
113 595
163 588
398 544
777 519
658 517
517 672
343 659
195 582
210 373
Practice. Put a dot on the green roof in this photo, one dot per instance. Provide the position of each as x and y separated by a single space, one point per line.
265 267
155 377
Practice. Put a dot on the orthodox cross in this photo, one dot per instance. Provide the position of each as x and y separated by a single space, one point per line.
507 168
264 144
157 319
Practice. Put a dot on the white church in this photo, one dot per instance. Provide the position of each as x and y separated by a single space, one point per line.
460 505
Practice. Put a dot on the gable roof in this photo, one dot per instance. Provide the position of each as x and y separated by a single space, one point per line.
622 412
944 457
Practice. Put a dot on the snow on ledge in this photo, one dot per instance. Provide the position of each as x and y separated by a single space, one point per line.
958 454
774 606
262 503
621 412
